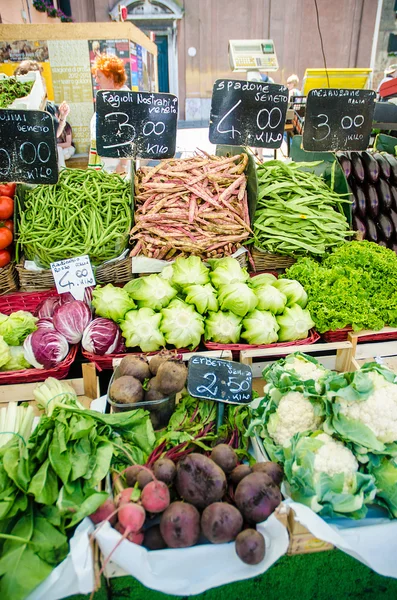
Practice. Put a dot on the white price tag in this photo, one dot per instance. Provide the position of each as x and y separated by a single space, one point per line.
73 275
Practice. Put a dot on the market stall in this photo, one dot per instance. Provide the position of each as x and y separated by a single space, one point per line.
169 342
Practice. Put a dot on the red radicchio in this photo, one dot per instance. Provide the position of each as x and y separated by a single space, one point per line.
102 336
45 348
47 307
71 319
45 323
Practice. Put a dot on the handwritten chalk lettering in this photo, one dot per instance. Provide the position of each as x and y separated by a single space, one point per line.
39 172
151 127
211 388
156 149
130 129
5 162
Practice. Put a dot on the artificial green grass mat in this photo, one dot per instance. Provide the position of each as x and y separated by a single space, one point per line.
330 575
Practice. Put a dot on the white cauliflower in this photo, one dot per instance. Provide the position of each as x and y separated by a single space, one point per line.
294 414
334 457
378 412
305 368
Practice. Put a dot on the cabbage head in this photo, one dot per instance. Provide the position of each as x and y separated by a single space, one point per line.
322 473
227 270
260 327
238 298
5 353
295 323
262 279
17 360
189 271
141 328
223 327
294 291
111 302
203 297
181 325
16 328
150 291
270 298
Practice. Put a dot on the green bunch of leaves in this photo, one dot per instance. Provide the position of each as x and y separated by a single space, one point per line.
355 285
50 485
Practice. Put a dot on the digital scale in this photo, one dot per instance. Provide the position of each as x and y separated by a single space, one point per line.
252 55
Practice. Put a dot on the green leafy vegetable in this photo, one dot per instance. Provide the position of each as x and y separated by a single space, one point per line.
181 325
111 302
189 271
223 327
270 298
17 360
203 297
260 327
238 298
294 323
142 328
5 354
293 290
355 285
385 475
226 271
151 291
16 327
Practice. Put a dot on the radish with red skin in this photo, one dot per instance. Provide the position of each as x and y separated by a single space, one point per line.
155 497
106 512
135 538
132 517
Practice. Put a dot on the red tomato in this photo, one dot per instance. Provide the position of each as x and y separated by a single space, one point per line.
5 258
6 207
9 224
7 189
6 237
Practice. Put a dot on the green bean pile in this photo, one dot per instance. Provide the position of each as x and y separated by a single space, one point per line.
11 89
86 212
297 213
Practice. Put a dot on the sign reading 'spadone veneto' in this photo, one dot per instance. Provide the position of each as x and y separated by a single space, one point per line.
131 124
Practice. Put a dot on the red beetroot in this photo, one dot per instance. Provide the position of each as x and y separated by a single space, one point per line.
155 497
105 513
124 496
144 477
132 517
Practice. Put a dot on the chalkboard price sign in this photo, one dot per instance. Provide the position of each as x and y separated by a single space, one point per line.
219 380
337 119
248 113
28 151
130 124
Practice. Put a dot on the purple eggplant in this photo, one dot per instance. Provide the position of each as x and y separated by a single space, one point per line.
345 163
359 226
371 167
372 232
385 227
357 167
393 191
384 195
360 199
393 166
372 200
384 167
393 216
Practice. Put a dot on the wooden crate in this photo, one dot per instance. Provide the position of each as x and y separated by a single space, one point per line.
86 388
340 356
224 354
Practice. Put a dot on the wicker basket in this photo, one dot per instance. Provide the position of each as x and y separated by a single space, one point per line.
8 279
340 335
117 271
265 261
29 302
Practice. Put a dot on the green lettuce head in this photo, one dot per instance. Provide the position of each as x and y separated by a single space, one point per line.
223 327
150 291
181 325
227 270
141 328
270 298
189 271
16 328
260 327
293 290
261 280
203 297
322 473
238 298
295 324
17 360
111 302
5 353
385 474
362 410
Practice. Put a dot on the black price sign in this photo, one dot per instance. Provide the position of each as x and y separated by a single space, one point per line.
338 120
28 151
219 380
130 124
248 113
